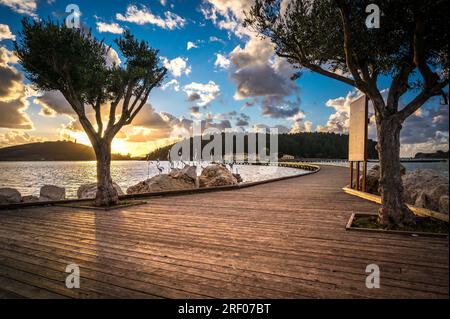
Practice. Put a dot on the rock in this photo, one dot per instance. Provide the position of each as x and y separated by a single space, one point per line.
52 192
29 199
216 175
443 204
9 196
189 173
425 188
238 177
373 178
90 190
163 182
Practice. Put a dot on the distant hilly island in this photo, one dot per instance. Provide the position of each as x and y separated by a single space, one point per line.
300 145
436 155
52 151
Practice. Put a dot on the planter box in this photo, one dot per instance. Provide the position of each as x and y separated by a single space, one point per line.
350 227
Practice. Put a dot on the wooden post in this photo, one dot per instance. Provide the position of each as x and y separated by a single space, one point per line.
351 174
357 176
364 176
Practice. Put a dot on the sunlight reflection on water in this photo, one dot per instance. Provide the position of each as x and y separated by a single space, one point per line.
28 177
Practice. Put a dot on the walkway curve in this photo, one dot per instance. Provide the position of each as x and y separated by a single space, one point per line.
285 239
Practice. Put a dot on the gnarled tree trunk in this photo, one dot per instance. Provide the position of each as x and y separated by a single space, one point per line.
394 210
106 194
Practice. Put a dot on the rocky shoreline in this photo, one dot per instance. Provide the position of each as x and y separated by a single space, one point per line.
178 179
423 188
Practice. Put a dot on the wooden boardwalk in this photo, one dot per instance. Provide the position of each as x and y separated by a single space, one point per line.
285 239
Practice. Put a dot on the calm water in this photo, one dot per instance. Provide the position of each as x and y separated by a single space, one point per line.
441 168
28 177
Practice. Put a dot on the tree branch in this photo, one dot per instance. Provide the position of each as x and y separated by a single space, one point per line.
144 100
112 109
419 47
348 49
98 116
316 68
399 84
420 99
78 107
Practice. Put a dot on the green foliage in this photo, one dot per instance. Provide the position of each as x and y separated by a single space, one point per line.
72 61
56 57
312 33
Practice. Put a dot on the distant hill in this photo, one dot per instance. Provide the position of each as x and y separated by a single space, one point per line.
51 151
299 145
438 154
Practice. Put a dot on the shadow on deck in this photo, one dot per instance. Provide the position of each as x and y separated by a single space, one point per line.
285 239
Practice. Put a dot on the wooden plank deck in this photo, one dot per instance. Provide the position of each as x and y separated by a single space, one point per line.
285 239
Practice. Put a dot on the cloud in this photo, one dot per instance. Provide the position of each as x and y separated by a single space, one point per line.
203 93
144 16
264 128
177 66
149 126
299 123
183 127
146 135
54 103
7 57
241 122
216 39
255 62
221 125
258 73
114 28
221 61
13 137
265 78
172 83
13 97
240 119
194 96
5 33
191 45
195 111
27 7
424 131
430 125
278 108
227 15
13 114
112 58
339 121
11 83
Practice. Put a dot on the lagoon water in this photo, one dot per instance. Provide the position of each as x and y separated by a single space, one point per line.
440 168
28 177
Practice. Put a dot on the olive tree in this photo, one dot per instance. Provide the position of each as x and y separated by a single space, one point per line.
331 37
73 62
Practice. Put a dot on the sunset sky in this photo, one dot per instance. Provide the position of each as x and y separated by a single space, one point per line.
219 73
